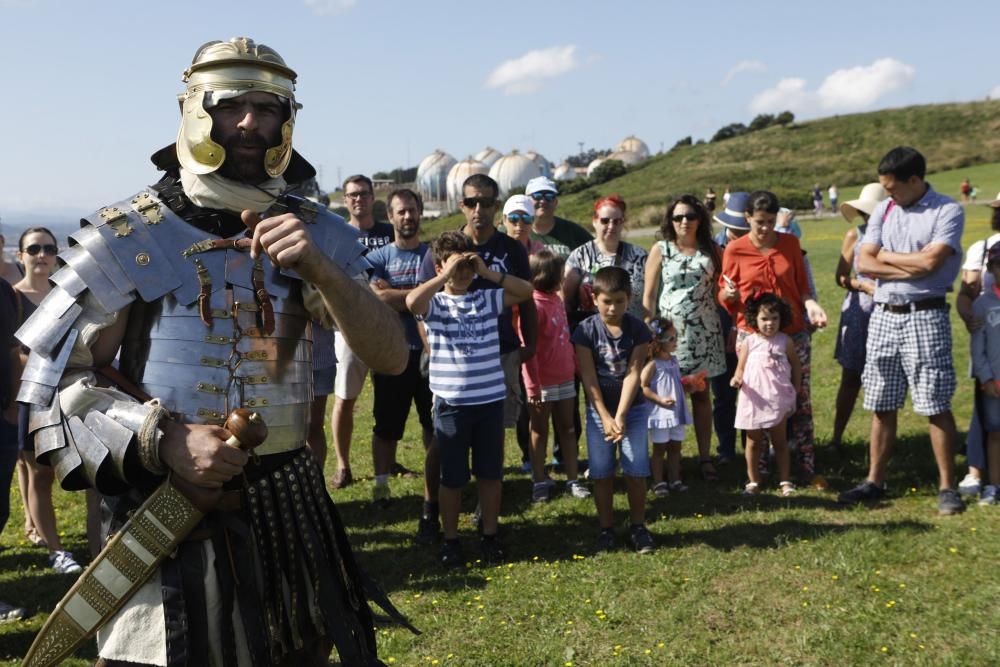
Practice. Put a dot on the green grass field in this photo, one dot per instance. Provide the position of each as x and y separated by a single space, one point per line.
768 582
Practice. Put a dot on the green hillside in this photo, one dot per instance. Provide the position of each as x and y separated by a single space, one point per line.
790 160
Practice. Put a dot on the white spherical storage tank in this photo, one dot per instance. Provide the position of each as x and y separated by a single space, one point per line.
634 144
488 156
630 158
564 172
513 171
594 164
461 171
543 165
432 175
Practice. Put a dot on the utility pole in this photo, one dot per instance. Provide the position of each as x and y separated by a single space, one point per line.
580 143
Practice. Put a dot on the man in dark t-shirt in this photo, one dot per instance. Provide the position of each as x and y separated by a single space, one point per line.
10 372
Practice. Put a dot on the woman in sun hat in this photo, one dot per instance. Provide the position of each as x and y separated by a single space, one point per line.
856 310
976 280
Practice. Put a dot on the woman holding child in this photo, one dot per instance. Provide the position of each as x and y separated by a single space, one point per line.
680 283
765 261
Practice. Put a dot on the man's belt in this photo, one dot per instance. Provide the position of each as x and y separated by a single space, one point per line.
936 303
129 559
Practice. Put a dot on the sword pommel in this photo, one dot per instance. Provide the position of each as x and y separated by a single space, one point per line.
248 428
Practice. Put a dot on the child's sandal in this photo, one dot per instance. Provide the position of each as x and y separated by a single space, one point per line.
708 471
787 489
751 489
661 490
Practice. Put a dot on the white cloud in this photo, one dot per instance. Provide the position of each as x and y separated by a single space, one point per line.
741 67
850 89
525 74
995 93
327 7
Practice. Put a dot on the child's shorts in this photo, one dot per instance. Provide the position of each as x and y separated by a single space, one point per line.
558 392
460 429
661 436
634 447
990 415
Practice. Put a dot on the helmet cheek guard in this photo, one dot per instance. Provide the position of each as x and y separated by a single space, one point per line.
242 66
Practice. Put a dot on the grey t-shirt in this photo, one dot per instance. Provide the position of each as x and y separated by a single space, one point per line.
934 218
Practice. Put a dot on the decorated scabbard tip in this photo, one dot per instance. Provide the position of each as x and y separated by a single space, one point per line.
247 427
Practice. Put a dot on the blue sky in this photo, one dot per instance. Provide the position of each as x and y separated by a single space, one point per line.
90 86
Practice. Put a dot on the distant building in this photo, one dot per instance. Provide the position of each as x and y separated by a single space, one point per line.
634 144
432 175
488 156
544 166
513 171
456 177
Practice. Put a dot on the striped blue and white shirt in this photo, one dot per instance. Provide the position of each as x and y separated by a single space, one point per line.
465 347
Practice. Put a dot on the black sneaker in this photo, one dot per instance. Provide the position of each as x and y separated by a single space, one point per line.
451 555
949 502
428 531
864 492
642 540
491 549
606 540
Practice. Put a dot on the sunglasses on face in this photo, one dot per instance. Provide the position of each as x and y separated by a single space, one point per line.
473 202
36 248
544 196
690 217
611 221
520 218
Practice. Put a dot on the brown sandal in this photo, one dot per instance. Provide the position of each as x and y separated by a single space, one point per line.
708 471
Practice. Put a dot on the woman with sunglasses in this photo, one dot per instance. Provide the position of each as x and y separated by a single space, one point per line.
607 249
518 218
681 274
37 250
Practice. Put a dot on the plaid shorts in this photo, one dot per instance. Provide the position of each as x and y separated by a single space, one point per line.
909 350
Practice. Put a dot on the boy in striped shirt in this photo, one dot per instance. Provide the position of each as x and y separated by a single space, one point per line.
468 382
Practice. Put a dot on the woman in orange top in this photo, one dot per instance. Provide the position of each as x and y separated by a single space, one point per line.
765 261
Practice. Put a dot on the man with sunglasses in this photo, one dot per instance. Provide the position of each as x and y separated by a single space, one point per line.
359 197
206 285
559 235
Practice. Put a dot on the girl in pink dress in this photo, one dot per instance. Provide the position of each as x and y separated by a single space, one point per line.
768 376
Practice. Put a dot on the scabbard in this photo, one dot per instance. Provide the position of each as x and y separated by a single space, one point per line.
127 561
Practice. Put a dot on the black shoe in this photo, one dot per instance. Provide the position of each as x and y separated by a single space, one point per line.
451 555
606 540
491 549
428 531
949 502
342 479
642 540
864 492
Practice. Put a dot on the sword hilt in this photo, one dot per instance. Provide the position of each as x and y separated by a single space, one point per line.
248 429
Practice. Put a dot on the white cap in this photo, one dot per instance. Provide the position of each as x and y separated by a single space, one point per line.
522 203
540 184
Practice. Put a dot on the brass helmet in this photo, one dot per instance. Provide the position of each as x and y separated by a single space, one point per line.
239 65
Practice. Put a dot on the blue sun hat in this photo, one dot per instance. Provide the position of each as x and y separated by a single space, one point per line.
732 216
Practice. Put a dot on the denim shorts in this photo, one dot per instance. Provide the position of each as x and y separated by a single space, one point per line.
634 447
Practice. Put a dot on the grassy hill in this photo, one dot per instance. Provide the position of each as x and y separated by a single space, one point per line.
790 160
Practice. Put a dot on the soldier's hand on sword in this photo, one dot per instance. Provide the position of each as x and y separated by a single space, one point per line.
199 454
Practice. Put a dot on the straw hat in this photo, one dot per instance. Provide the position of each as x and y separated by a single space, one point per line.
866 202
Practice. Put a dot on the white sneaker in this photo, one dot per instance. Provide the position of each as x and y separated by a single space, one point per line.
9 612
970 486
63 563
576 489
